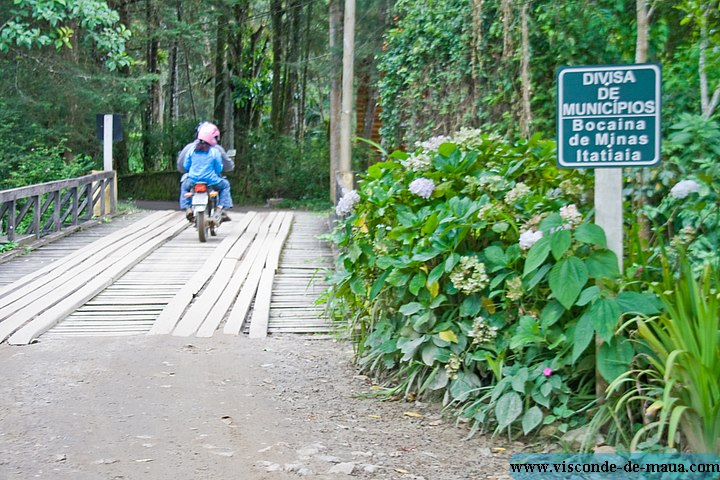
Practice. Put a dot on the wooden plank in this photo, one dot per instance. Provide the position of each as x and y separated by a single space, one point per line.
61 309
274 253
261 311
221 307
76 257
168 319
195 315
254 265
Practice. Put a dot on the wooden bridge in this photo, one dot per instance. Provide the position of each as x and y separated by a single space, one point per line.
149 275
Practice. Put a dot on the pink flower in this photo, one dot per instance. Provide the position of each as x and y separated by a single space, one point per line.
547 372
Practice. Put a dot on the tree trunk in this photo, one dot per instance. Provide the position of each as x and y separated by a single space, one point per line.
276 109
335 30
345 167
643 25
526 114
304 77
707 104
506 8
120 149
152 104
221 82
476 58
290 102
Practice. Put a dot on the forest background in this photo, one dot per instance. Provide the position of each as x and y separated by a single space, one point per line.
268 73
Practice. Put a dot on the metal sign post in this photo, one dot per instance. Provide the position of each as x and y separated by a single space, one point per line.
608 117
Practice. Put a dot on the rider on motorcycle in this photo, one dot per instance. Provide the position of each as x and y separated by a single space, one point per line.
204 160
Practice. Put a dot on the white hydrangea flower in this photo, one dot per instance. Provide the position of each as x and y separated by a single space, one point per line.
420 162
571 215
432 145
482 332
519 191
467 138
528 238
422 187
347 203
684 188
469 275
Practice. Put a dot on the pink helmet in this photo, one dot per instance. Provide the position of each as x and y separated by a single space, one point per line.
208 133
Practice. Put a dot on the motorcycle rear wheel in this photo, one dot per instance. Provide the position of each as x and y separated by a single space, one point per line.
202 226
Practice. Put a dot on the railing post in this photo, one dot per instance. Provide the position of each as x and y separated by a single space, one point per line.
56 210
75 203
36 216
11 220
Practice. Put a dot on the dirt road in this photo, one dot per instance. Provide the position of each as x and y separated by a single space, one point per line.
221 408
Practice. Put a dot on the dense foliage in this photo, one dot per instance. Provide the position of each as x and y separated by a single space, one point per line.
470 267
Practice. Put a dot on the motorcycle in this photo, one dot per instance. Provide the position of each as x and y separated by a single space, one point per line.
204 209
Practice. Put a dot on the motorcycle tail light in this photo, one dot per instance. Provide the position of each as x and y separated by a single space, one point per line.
200 188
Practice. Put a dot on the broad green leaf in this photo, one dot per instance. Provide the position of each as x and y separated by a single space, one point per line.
409 346
539 276
398 278
446 149
584 333
602 264
605 313
378 284
440 380
507 409
435 274
591 234
411 308
495 256
431 224
560 243
567 278
357 285
536 255
451 261
462 386
633 302
424 322
614 358
532 418
417 282
471 306
519 379
448 336
588 295
552 312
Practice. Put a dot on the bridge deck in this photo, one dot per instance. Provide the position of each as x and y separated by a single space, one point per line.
261 274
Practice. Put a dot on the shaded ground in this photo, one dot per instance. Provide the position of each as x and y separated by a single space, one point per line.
220 408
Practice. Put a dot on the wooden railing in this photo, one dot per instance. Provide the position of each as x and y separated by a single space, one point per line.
31 212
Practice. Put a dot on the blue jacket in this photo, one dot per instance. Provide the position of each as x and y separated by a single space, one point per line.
204 166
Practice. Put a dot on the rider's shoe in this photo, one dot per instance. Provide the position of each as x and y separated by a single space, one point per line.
224 216
189 214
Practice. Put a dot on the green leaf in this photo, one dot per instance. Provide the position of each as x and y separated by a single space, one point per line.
560 243
471 306
532 418
645 303
591 234
398 278
605 313
463 385
584 333
411 308
431 224
435 274
424 322
552 312
539 276
614 358
507 409
440 380
451 261
536 255
357 285
602 264
495 256
519 379
378 284
588 295
417 282
446 149
567 278
448 336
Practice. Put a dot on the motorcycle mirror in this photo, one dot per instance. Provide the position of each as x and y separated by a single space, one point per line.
231 153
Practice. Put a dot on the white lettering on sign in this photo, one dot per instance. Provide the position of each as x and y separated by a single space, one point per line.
608 155
608 78
579 124
580 109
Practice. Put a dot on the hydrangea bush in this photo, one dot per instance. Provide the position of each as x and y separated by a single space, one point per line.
471 268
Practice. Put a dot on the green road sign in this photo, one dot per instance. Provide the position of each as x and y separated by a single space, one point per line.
608 116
